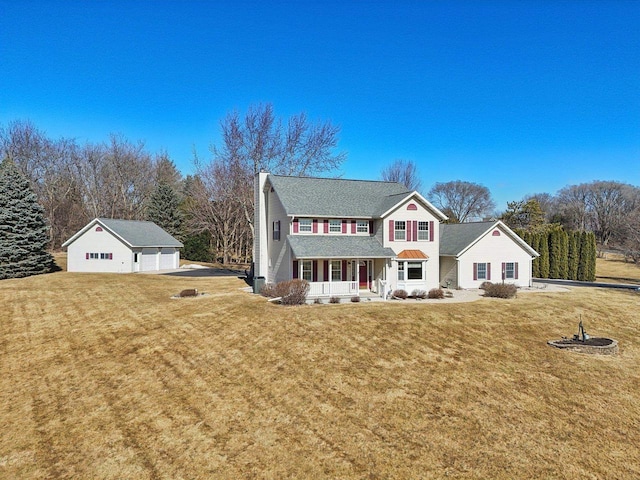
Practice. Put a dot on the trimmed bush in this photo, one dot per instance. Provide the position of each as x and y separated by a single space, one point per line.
291 292
400 294
355 299
484 285
501 290
437 293
318 301
334 299
419 294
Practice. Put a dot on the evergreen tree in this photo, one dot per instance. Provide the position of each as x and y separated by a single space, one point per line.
535 265
554 253
544 255
164 210
573 255
563 264
583 263
24 234
591 260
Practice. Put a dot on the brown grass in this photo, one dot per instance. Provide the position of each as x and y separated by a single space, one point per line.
106 376
612 268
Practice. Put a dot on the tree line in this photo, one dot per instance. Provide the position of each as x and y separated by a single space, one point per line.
211 211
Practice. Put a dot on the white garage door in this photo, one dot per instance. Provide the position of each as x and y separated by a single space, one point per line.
149 259
167 257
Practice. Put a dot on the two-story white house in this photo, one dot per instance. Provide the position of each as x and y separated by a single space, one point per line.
345 236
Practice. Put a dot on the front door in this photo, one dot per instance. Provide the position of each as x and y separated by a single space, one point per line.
363 274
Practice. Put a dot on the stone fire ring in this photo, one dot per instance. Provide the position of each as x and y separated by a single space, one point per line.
594 345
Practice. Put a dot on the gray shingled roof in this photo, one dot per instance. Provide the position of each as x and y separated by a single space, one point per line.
455 237
140 233
330 246
327 197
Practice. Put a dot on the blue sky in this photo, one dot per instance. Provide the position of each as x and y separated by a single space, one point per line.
520 96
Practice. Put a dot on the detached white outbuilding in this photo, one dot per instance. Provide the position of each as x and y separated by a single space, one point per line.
121 246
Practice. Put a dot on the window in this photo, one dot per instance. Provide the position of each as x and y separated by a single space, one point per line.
305 225
99 256
414 270
509 270
482 271
335 226
423 230
400 270
336 270
307 270
400 230
94 256
276 230
362 226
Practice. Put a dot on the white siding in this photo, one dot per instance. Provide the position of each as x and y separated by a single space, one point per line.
261 226
93 241
495 250
430 248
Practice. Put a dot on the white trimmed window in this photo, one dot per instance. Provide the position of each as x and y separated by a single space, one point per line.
482 271
307 270
362 226
336 270
305 225
509 270
414 270
400 270
423 230
400 230
276 230
335 226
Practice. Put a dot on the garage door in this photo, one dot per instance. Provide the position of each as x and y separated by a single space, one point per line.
149 259
167 257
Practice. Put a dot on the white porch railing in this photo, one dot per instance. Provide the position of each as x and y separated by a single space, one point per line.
322 289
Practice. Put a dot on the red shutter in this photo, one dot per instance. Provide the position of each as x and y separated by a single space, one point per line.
475 271
344 270
315 225
515 270
431 231
314 269
326 226
295 226
391 231
344 226
353 227
87 255
325 271
111 256
504 271
488 271
370 227
415 230
295 269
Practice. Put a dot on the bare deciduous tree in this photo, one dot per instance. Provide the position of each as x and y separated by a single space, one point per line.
462 201
404 172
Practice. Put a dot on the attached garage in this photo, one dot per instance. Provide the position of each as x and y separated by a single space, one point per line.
122 246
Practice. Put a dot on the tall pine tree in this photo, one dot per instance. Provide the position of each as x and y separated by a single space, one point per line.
544 255
24 234
574 255
164 210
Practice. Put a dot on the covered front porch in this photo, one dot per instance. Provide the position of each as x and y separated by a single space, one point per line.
340 266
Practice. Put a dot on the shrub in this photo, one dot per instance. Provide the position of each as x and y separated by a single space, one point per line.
419 294
485 284
334 300
318 301
501 290
436 293
291 292
400 294
355 299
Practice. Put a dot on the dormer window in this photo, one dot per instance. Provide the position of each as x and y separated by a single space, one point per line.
362 226
305 225
335 226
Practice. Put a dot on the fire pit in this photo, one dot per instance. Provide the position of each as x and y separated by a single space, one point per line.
583 343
